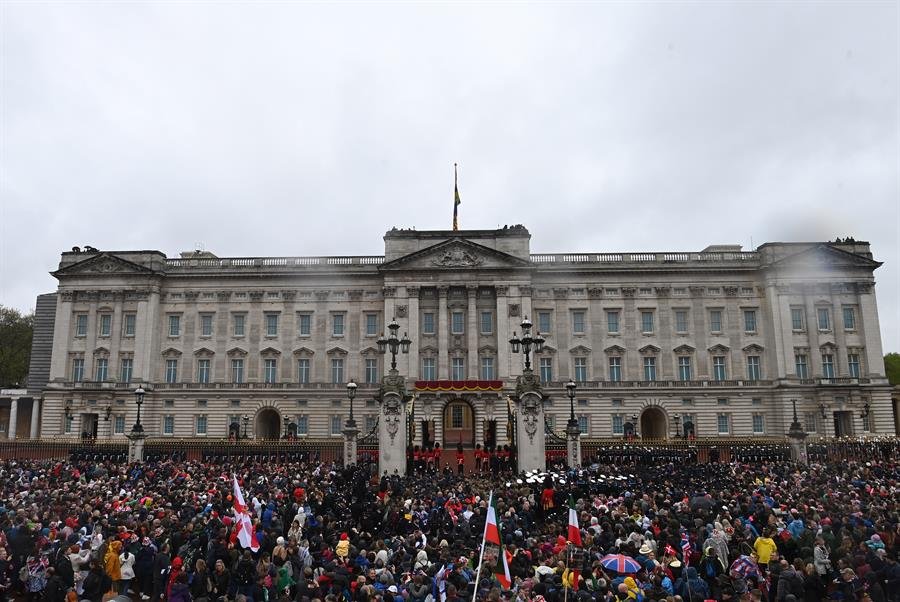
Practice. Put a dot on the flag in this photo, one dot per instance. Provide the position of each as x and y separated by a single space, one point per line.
574 537
492 536
456 200
243 527
670 551
685 548
438 590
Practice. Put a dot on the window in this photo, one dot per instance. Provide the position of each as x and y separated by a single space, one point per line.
100 373
370 421
544 321
371 325
105 325
337 325
853 364
615 369
126 365
722 424
271 325
70 424
487 368
456 416
618 424
168 425
649 368
81 325
811 421
550 421
827 365
128 327
753 371
797 321
206 325
487 322
457 322
270 373
428 372
756 401
580 369
237 371
201 425
302 424
759 424
684 368
715 320
749 320
719 372
371 371
78 369
612 322
428 323
235 403
646 321
578 322
823 318
546 368
458 369
304 324
867 423
337 370
171 371
687 401
202 403
335 425
689 420
849 318
583 424
303 370
681 320
800 365
239 325
722 401
119 425
202 371
618 403
174 326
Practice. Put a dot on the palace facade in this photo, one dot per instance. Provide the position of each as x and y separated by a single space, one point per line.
710 343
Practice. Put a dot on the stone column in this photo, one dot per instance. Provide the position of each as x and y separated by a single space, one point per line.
797 439
868 310
14 395
503 359
136 446
351 432
443 368
529 423
392 425
573 435
412 294
472 333
35 417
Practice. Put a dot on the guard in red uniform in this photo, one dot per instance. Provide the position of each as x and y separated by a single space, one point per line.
460 460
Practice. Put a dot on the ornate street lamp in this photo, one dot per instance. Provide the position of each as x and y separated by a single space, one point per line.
351 393
677 419
393 343
139 400
570 391
246 419
527 342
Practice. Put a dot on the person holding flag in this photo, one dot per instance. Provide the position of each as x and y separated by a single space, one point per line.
574 556
492 535
243 526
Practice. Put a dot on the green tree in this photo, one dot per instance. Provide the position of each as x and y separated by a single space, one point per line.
892 367
16 330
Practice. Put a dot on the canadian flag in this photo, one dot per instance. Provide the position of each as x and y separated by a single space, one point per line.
243 527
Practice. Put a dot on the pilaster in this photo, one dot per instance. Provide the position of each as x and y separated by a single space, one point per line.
443 368
472 329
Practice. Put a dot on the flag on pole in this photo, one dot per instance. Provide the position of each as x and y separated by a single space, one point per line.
456 200
574 537
439 589
243 527
492 535
685 548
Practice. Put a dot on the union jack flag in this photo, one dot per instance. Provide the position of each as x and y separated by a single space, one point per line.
685 548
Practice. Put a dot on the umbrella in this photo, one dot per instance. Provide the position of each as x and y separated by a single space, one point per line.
620 563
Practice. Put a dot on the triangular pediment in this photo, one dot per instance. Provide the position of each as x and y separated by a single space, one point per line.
102 263
171 351
615 350
548 349
649 349
684 349
368 351
752 348
580 350
270 351
485 349
303 351
718 349
336 351
236 351
825 255
456 254
204 351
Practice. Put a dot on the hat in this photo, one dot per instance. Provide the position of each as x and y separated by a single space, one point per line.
675 564
145 541
645 549
280 541
393 589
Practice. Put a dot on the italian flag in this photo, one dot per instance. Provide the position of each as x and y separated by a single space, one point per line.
492 535
574 537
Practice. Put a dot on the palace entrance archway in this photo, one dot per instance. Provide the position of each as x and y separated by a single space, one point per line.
268 424
653 424
459 424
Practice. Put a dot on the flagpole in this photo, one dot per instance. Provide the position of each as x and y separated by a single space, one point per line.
481 556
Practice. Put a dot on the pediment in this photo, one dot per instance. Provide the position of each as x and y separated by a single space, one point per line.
101 351
649 349
683 349
270 351
456 254
204 351
336 350
825 255
485 349
303 351
426 349
718 349
753 348
615 349
102 263
828 345
171 351
368 351
237 351
548 349
580 350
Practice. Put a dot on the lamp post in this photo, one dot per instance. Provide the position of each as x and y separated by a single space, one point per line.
287 424
573 432
677 419
136 436
527 342
797 437
351 393
246 420
351 431
393 343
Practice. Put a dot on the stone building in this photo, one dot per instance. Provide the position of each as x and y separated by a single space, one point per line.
709 343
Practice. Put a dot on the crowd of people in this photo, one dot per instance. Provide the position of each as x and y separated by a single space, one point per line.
92 530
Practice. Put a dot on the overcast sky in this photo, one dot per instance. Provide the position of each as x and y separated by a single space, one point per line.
297 129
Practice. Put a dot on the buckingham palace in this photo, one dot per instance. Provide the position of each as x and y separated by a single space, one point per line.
719 342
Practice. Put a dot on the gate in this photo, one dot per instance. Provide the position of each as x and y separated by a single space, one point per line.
555 447
367 448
